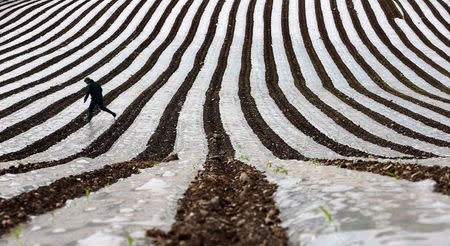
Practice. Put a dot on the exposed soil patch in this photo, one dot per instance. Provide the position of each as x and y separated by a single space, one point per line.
227 204
411 172
47 198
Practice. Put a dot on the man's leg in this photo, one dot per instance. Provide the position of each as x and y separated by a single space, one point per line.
91 110
102 107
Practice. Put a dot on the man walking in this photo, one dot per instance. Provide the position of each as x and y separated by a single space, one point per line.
95 90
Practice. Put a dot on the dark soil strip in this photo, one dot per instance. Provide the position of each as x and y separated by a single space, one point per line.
219 143
162 141
438 16
37 25
387 8
24 2
421 36
354 83
107 139
411 172
239 211
23 13
61 104
289 111
78 61
266 135
445 5
18 209
380 32
49 40
378 80
336 116
32 18
398 75
58 58
430 25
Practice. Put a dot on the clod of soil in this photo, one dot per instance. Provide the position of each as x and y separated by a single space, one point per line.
229 203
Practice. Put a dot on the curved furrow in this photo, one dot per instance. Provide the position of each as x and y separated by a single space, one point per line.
66 66
291 78
33 20
11 4
373 20
248 105
376 78
25 18
54 35
51 84
361 103
337 116
401 41
426 41
17 13
105 141
437 14
5 5
445 5
431 23
276 93
46 20
399 76
162 141
37 66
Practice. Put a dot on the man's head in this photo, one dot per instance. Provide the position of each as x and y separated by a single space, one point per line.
87 80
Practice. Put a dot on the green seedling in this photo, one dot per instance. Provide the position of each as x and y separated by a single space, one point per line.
301 181
280 169
417 160
338 166
88 192
17 235
131 239
316 162
327 214
398 160
243 157
392 174
269 164
107 184
138 171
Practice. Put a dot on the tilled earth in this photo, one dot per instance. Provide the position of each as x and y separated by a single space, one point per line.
229 203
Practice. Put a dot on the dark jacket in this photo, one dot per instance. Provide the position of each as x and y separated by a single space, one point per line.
95 90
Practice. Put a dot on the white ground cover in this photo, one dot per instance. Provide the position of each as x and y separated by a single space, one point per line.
22 10
356 116
73 44
407 72
378 67
364 208
146 200
427 12
398 43
52 33
445 15
365 80
40 18
74 110
75 70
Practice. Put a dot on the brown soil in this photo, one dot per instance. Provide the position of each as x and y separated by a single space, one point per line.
22 14
47 198
32 18
355 84
227 204
376 78
398 75
411 172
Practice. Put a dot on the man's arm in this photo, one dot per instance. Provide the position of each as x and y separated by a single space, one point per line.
87 93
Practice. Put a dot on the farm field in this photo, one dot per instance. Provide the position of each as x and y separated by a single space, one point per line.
309 122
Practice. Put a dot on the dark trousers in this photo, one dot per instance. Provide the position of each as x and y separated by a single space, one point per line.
101 106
